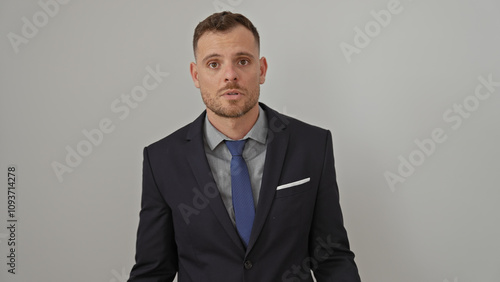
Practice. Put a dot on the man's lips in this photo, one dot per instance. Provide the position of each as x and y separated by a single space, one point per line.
232 93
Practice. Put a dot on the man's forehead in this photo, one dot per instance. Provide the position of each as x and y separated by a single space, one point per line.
238 37
239 33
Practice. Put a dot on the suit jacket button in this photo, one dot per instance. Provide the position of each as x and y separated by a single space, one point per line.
248 264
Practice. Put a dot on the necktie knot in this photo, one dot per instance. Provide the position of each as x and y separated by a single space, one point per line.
236 147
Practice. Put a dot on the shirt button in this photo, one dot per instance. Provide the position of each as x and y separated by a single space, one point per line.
248 264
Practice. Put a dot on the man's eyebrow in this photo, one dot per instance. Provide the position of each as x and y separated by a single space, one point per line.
210 56
245 54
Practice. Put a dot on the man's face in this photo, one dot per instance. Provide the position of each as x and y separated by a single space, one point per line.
228 71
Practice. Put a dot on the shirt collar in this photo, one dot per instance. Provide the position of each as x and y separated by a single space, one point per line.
258 132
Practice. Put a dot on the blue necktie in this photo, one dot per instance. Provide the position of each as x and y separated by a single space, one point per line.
241 189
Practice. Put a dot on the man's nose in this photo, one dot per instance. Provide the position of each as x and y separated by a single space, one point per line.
230 73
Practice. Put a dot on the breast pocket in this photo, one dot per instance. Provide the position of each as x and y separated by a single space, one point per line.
292 188
288 205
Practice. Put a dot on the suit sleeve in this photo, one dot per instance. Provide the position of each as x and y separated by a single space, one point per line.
331 258
156 251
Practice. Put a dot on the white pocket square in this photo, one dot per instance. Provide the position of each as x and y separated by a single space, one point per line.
295 183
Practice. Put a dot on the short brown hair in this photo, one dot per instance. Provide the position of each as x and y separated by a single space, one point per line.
223 21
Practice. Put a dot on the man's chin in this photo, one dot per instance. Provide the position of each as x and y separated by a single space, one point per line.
232 111
230 114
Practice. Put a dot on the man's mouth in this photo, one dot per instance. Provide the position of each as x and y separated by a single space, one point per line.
232 92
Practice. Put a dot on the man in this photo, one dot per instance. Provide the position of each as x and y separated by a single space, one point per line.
264 208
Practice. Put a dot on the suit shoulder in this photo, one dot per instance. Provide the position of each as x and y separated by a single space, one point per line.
277 120
181 135
297 126
172 138
176 139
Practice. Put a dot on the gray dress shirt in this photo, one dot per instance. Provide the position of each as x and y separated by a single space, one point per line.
219 158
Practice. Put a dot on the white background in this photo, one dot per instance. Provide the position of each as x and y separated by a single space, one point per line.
440 224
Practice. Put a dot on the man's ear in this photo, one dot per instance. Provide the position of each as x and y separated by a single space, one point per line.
193 68
263 69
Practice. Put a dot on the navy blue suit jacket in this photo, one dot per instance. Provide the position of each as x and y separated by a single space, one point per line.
184 227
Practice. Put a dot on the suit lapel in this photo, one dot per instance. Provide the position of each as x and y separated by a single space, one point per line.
277 142
197 159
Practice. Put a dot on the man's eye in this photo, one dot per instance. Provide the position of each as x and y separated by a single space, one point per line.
213 65
244 62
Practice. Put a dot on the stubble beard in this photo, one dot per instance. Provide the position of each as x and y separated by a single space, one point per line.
232 111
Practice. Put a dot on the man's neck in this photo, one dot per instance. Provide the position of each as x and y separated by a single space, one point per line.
234 128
